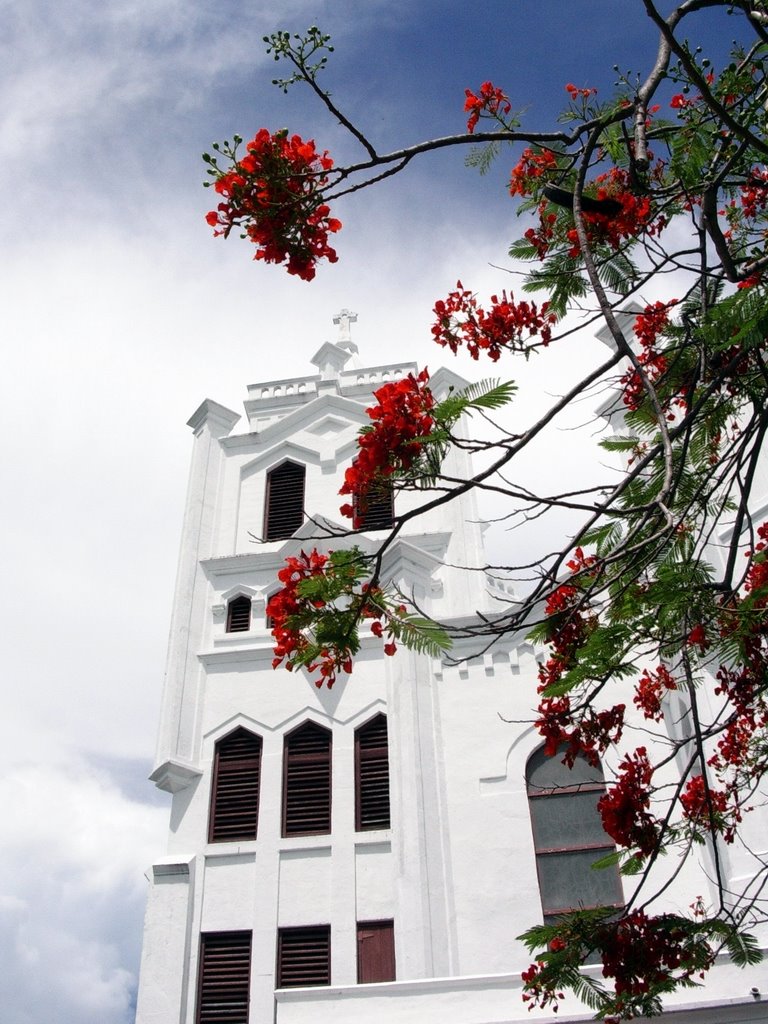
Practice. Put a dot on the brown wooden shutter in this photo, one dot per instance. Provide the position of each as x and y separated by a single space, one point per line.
377 511
372 775
375 951
239 614
285 501
304 956
224 978
235 788
307 781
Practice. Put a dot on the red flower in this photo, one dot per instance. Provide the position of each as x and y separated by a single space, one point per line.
491 100
575 92
651 688
698 637
531 166
275 192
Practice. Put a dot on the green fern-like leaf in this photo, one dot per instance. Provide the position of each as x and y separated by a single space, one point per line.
482 157
421 635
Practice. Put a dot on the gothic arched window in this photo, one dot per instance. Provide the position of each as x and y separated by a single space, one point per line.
284 510
372 775
307 781
235 788
568 835
239 614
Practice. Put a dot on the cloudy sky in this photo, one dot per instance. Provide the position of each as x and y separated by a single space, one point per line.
119 313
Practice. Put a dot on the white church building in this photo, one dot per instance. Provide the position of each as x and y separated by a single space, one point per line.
367 853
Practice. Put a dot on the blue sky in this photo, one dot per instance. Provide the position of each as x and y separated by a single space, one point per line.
119 313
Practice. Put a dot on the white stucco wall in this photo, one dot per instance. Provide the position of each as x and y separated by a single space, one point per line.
457 871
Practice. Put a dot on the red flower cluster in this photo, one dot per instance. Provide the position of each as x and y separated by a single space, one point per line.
491 100
706 807
539 990
461 321
275 193
402 420
754 193
531 166
570 625
698 638
635 215
641 952
312 631
287 604
740 755
624 808
650 690
647 328
591 737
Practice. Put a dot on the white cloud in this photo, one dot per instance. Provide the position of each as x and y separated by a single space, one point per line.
72 895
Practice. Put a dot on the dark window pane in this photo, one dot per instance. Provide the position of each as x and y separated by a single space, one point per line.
568 881
567 820
546 773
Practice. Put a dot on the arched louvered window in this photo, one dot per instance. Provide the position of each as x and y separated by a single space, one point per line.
568 835
372 775
235 789
284 512
239 614
377 511
224 978
307 781
304 956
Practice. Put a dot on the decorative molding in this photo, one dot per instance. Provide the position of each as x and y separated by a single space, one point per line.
173 868
221 419
174 775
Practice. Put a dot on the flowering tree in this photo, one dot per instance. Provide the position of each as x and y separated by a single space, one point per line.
670 173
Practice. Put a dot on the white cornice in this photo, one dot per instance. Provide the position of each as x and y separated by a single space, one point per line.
174 775
221 419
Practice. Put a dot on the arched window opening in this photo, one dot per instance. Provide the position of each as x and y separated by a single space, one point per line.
235 788
284 512
239 614
372 775
568 836
307 781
